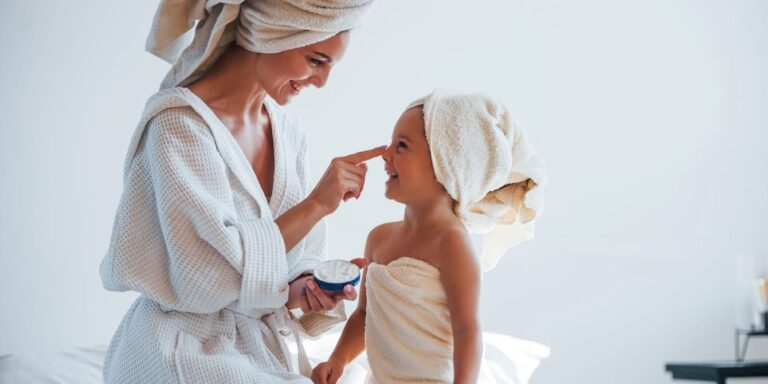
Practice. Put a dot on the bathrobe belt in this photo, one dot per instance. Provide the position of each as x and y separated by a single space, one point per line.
282 322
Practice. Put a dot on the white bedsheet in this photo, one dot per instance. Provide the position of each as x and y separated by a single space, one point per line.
511 360
76 365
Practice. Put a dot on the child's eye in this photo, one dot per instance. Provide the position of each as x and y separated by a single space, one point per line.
315 62
401 144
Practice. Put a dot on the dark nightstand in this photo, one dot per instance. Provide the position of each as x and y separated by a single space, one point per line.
717 372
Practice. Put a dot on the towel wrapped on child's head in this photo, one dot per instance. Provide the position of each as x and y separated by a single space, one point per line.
486 165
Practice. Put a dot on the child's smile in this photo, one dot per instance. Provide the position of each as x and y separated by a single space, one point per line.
406 161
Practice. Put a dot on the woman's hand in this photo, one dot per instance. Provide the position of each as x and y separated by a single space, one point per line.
304 293
343 180
328 372
297 298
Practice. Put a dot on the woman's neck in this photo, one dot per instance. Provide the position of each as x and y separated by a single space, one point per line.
230 87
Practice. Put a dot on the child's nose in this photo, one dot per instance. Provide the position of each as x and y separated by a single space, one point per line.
387 154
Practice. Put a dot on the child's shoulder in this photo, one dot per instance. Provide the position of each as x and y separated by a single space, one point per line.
454 245
382 231
451 235
379 235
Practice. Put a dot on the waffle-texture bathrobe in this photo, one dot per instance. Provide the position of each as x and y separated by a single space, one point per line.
195 235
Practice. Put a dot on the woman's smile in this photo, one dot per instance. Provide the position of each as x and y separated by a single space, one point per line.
295 88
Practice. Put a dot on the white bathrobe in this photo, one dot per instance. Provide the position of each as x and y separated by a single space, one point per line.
195 235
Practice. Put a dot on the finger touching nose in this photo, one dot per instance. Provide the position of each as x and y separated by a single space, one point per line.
362 156
387 155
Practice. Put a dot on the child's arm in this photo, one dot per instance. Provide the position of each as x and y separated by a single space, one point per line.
460 275
352 340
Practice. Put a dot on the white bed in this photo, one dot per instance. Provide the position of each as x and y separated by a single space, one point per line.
510 360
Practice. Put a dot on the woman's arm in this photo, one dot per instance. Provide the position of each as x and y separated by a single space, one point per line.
460 275
174 214
296 222
343 179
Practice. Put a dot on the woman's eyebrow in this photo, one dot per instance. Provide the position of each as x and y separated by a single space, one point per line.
327 58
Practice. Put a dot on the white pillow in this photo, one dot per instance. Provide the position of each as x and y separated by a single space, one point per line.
512 360
77 365
507 359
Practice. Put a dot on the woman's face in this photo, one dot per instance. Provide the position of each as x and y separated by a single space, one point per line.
284 74
407 161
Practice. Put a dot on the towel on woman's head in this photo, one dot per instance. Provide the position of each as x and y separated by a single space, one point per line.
265 26
485 163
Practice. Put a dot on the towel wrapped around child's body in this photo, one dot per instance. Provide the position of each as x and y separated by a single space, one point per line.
408 333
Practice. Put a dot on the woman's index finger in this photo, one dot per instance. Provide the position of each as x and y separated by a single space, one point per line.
362 156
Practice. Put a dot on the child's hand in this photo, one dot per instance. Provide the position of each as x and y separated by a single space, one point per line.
328 372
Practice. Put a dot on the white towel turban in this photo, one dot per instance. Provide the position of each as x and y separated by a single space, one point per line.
485 163
265 26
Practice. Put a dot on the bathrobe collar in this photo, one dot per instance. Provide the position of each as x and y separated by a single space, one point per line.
228 148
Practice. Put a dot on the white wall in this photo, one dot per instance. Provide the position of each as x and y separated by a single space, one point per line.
651 116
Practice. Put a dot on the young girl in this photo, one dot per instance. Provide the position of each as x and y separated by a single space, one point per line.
458 163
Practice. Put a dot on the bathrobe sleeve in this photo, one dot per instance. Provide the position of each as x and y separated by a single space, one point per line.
178 238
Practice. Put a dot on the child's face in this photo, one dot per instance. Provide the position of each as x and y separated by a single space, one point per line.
408 162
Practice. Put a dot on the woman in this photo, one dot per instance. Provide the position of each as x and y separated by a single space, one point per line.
216 228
